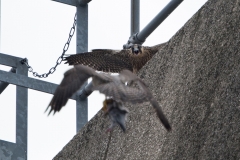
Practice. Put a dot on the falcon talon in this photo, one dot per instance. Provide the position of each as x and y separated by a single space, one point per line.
117 113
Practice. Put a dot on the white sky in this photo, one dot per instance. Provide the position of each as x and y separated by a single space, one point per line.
38 30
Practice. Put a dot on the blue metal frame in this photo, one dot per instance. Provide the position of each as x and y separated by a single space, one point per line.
140 37
3 85
135 16
74 2
17 150
82 46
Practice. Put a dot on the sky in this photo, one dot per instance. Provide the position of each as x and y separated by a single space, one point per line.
38 30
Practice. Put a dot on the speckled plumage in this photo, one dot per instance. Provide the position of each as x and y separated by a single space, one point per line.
114 61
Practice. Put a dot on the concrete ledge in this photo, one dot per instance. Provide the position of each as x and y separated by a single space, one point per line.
196 79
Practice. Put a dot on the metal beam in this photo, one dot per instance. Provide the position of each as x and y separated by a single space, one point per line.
82 46
69 2
21 113
3 85
8 60
139 38
74 2
18 150
86 91
135 10
83 2
0 24
161 16
27 82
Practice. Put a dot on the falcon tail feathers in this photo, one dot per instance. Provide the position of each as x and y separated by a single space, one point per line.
160 115
49 111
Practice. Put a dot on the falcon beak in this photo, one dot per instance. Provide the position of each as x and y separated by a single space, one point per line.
135 50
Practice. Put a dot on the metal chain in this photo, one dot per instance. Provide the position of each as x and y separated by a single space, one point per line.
59 60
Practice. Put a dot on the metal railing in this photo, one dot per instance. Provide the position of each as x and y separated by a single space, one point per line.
19 72
139 38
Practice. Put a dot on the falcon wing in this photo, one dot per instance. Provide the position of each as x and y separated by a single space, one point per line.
123 93
105 60
72 81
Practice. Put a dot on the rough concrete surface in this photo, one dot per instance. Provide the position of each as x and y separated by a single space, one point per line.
196 79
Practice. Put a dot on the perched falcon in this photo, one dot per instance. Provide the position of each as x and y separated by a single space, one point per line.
113 86
117 113
114 61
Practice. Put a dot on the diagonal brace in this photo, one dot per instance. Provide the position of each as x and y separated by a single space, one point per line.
3 85
74 2
139 38
27 82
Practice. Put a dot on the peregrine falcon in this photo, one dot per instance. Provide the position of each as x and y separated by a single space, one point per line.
113 86
114 61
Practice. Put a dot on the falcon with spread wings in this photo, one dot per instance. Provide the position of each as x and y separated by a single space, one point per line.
113 86
114 61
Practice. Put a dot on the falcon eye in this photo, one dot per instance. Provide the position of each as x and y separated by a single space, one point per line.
140 48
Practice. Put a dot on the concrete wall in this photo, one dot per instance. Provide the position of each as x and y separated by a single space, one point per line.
196 79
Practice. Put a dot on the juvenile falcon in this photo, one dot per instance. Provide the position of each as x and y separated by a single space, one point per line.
113 86
114 61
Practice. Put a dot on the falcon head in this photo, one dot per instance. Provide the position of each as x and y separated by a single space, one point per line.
136 49
117 113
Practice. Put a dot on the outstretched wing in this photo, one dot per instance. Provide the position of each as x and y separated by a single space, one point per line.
105 60
72 81
123 93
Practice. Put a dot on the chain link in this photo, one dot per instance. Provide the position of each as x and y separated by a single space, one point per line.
59 60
